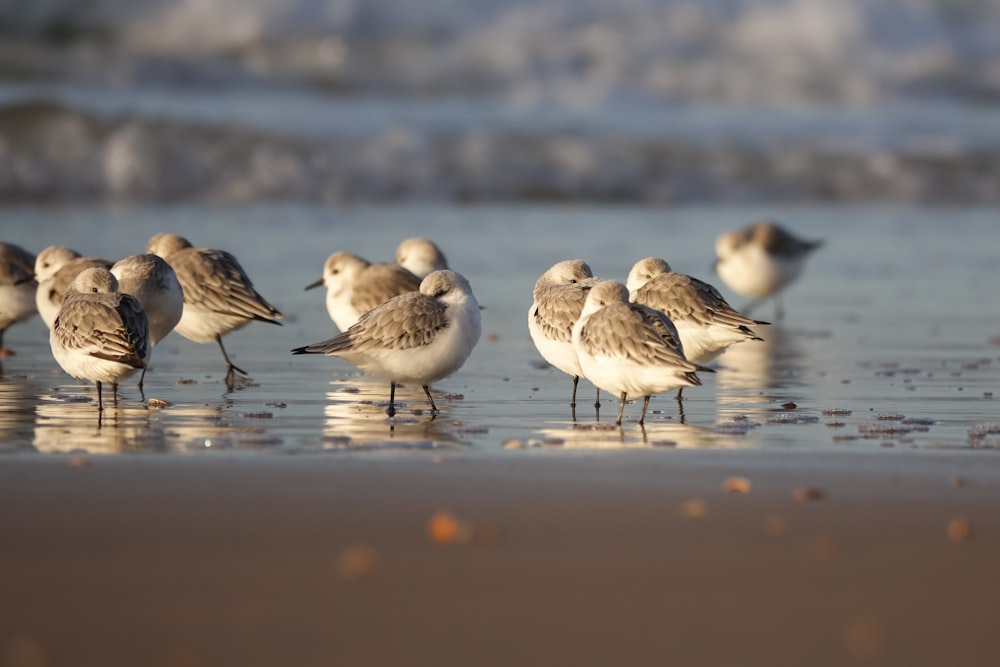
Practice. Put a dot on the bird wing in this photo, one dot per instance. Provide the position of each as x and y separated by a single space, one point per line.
111 327
407 321
557 310
379 283
634 333
214 280
683 298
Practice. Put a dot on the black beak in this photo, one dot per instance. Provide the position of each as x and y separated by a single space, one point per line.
315 284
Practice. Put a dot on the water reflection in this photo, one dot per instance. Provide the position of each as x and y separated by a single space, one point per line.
761 372
606 435
354 417
18 397
65 424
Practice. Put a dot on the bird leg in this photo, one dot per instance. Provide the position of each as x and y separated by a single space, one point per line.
231 368
572 400
100 400
427 390
391 410
621 408
645 404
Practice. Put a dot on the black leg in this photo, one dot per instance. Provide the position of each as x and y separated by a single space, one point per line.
621 408
645 404
100 400
114 393
142 377
231 368
597 400
427 390
572 400
391 410
680 394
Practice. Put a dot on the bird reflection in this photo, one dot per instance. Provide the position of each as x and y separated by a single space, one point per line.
762 372
353 419
65 424
606 435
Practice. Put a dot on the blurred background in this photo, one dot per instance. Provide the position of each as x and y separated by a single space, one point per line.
638 101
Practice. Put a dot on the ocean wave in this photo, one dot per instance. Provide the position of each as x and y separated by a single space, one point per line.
53 152
578 53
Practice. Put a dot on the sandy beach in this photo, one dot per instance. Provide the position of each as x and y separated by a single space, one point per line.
636 558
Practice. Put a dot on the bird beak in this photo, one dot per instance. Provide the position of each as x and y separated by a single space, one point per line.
24 280
315 284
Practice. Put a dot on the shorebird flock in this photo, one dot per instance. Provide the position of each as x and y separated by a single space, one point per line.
408 321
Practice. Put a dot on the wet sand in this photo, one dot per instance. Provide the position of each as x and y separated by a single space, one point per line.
573 558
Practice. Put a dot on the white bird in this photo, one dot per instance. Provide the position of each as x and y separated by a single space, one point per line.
559 296
418 337
99 334
420 256
17 288
55 269
706 324
218 295
760 260
154 283
355 286
629 349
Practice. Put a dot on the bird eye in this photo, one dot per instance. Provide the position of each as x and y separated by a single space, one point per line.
440 293
572 281
94 290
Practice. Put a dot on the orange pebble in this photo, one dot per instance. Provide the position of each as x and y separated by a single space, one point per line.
959 529
737 484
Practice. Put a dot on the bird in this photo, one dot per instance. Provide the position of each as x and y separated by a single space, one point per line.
559 295
420 256
99 334
17 288
151 280
154 283
706 323
55 269
630 349
355 286
418 337
760 260
219 297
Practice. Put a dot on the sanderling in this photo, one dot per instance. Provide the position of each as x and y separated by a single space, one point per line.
355 286
99 334
706 324
154 283
760 260
55 269
418 337
218 295
420 256
559 296
629 349
17 287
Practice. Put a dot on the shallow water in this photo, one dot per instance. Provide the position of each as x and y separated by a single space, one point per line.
889 342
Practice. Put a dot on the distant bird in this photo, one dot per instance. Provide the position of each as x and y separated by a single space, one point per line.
17 288
99 334
706 324
154 283
559 296
760 260
355 286
418 337
420 256
218 295
55 269
630 349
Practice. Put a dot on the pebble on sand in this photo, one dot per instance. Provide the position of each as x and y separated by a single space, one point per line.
737 484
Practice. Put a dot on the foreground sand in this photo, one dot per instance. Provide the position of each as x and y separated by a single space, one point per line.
565 559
